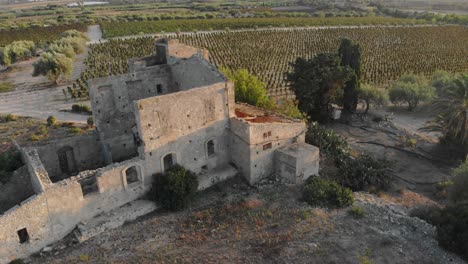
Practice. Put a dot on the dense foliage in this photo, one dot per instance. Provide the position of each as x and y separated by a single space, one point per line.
58 59
118 29
16 51
451 109
249 89
174 188
372 95
410 89
323 192
37 34
350 55
317 82
329 142
364 173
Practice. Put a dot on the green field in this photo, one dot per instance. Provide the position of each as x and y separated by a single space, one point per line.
37 34
388 52
119 29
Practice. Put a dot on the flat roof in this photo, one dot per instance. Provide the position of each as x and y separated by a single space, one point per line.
254 114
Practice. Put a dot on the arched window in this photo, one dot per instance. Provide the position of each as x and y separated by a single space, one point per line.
210 148
168 161
131 175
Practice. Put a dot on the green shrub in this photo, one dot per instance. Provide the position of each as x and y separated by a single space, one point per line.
411 89
458 190
90 121
51 121
364 172
329 142
357 212
452 229
323 192
174 188
6 87
10 118
75 130
81 108
42 131
35 138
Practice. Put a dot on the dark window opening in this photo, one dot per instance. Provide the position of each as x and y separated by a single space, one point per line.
67 160
204 167
269 133
89 185
210 148
168 161
23 235
265 135
131 174
159 89
267 146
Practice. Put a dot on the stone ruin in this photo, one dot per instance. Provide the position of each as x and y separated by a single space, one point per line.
171 108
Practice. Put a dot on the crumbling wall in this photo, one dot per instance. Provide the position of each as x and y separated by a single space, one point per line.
195 72
182 123
16 190
240 146
111 101
55 212
87 154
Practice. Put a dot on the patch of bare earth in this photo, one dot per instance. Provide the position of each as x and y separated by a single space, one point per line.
235 223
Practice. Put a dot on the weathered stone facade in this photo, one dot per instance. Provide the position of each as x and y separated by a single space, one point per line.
174 107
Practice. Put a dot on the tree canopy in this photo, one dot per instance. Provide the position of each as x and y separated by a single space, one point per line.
411 89
52 65
350 54
316 82
17 50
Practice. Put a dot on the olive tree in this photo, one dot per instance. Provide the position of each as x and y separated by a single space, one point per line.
52 65
410 89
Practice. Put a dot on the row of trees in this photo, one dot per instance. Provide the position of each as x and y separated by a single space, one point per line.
58 59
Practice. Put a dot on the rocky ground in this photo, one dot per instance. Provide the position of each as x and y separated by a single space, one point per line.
235 223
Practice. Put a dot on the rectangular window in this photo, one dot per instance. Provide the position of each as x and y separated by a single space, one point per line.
89 185
267 146
159 89
23 235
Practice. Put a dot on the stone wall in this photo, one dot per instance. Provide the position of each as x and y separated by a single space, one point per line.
259 141
182 124
87 155
195 72
55 212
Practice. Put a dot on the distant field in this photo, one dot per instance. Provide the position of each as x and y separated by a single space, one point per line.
119 29
37 34
387 52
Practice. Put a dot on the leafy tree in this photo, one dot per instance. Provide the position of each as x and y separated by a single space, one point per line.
78 44
350 54
53 65
64 49
316 82
174 188
458 191
249 89
452 109
17 50
372 95
411 89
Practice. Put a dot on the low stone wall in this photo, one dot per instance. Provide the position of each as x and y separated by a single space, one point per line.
53 213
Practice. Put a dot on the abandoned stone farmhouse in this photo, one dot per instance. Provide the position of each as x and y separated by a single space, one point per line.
171 108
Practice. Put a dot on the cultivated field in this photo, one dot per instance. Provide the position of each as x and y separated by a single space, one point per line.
119 29
388 52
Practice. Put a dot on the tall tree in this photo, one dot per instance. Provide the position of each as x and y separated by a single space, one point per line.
316 83
350 54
